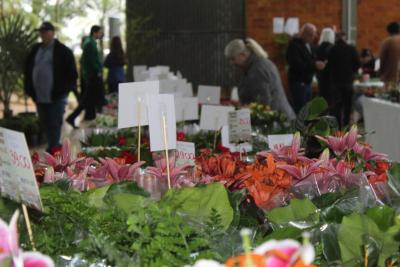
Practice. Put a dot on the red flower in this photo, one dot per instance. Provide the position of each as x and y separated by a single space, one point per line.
223 149
381 167
35 158
121 141
180 136
128 157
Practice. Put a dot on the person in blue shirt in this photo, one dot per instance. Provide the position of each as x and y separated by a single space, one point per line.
115 62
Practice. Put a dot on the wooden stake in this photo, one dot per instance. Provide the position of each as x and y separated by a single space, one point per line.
28 226
166 149
139 129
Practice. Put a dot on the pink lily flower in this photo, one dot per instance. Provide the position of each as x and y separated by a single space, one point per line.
285 253
160 170
9 248
340 144
368 154
302 172
63 160
119 172
290 154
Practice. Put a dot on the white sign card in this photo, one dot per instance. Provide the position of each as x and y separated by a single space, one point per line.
235 94
239 126
159 70
131 96
209 94
242 147
214 117
17 177
157 107
139 73
278 25
280 139
292 26
186 108
185 153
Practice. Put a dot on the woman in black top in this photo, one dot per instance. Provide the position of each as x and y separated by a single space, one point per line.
115 62
326 42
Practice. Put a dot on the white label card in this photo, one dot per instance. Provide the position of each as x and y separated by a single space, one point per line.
132 103
186 108
214 117
209 94
280 139
138 73
17 177
242 147
185 153
239 126
159 106
278 25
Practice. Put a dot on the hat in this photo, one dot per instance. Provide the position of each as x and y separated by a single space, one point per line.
46 26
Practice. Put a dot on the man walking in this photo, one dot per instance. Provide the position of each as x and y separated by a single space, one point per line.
50 73
92 77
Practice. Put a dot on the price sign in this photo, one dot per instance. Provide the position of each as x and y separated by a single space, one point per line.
17 177
185 153
239 126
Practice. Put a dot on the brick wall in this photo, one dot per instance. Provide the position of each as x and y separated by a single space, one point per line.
260 14
373 17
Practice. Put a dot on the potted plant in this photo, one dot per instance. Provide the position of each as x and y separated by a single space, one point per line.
17 35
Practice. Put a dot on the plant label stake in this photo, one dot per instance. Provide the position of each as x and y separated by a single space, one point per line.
28 226
164 127
139 101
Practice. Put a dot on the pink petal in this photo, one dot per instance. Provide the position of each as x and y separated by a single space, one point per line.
4 237
35 259
351 137
50 160
292 170
66 152
13 237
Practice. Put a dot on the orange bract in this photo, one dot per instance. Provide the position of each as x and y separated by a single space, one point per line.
241 261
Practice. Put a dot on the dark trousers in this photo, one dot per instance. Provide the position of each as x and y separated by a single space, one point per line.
301 94
342 98
113 87
92 98
51 120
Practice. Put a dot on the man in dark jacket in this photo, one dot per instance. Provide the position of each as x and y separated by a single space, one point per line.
302 62
343 64
50 73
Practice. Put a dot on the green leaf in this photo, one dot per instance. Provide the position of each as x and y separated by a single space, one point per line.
352 233
236 198
330 244
383 216
198 202
126 187
285 233
95 197
316 107
345 205
297 210
128 202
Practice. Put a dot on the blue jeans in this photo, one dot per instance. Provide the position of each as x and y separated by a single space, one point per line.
51 120
301 94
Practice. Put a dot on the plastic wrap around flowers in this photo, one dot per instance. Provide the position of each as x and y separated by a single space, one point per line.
10 253
283 253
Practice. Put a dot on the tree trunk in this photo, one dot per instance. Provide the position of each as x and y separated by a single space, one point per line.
7 113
